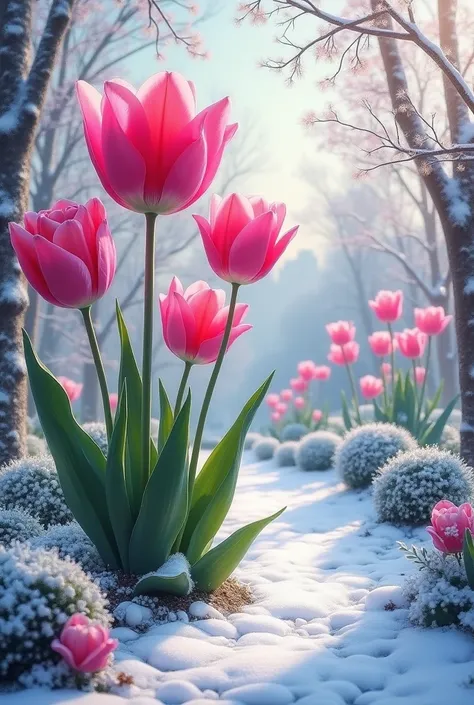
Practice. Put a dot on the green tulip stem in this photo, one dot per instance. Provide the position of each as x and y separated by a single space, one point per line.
355 400
385 390
148 309
99 366
423 386
182 387
210 388
392 362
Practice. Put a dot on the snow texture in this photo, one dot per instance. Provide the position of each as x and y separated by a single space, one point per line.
329 625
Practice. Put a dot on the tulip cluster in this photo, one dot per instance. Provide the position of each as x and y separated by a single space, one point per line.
144 503
296 404
452 531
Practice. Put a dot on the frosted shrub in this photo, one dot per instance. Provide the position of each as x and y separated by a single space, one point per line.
410 484
16 525
251 438
38 593
367 448
439 594
32 485
451 439
98 433
285 454
294 432
336 425
35 445
316 451
265 448
70 540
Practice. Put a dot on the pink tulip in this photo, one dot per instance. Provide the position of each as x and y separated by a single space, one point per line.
341 332
420 374
66 253
84 645
113 401
386 369
345 354
449 524
150 149
317 415
72 389
431 320
412 342
371 387
241 237
299 403
298 384
381 343
272 400
275 417
388 306
281 408
286 394
194 321
306 370
321 372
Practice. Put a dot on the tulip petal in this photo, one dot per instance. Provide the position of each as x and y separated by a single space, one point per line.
214 207
46 226
220 319
204 305
97 660
97 212
183 179
437 540
209 349
213 255
30 220
125 166
180 327
274 254
90 102
106 258
249 250
234 213
22 243
130 115
64 652
213 163
259 205
194 288
67 277
70 236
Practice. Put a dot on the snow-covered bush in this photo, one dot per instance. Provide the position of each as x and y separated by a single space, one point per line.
265 448
285 454
451 439
367 448
366 412
316 450
35 445
251 438
32 485
16 525
294 432
98 432
410 484
336 425
38 593
70 540
439 594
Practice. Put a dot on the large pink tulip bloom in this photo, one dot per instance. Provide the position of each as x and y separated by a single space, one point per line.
381 343
344 354
431 320
388 305
194 321
150 149
449 524
341 332
83 645
67 252
412 343
370 386
241 237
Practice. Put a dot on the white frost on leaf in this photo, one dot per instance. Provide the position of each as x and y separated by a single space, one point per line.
174 566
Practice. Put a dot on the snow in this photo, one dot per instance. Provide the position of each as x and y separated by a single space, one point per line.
459 208
329 625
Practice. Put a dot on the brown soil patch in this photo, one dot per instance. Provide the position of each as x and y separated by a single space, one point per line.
230 597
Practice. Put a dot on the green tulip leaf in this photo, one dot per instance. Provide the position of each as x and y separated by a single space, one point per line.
435 431
345 412
166 418
468 557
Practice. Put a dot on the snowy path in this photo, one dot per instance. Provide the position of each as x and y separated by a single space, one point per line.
319 633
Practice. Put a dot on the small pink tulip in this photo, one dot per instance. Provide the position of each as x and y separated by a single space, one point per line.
412 342
321 373
241 237
194 321
150 149
449 524
386 370
113 401
306 369
370 386
275 417
298 384
381 343
341 332
281 408
420 374
345 354
72 389
272 400
317 415
299 403
388 306
431 320
84 645
286 394
67 252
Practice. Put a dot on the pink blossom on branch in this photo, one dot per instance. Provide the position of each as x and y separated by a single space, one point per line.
341 332
431 320
84 645
73 389
344 354
371 387
412 343
449 524
387 306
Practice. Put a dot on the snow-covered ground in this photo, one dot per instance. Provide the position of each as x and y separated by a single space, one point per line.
328 627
